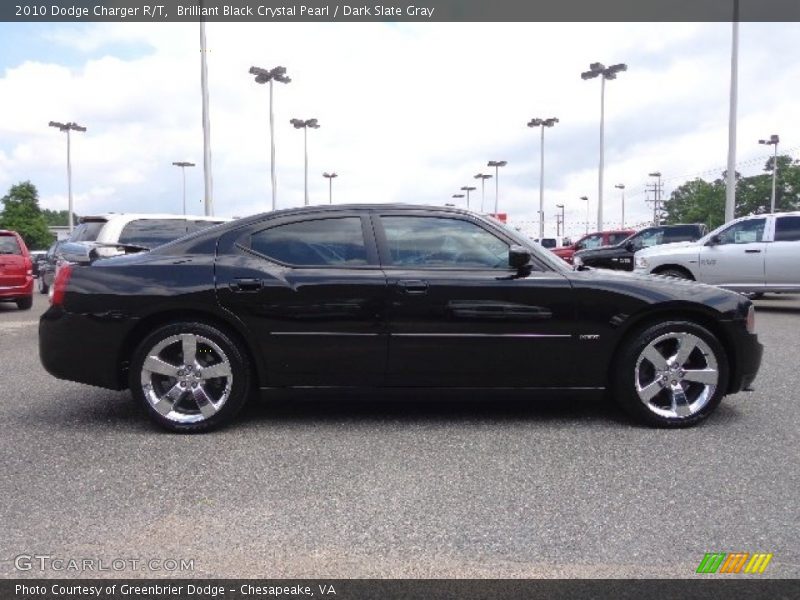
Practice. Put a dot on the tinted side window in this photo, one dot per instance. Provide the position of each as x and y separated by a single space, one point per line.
787 229
649 237
9 245
152 232
593 241
616 238
86 232
321 242
744 232
442 242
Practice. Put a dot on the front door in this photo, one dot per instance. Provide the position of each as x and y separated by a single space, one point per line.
459 317
737 260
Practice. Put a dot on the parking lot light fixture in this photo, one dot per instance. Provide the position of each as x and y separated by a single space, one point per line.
268 76
304 124
483 179
468 189
542 123
563 225
621 186
330 177
587 212
183 164
600 70
455 196
773 141
66 128
496 164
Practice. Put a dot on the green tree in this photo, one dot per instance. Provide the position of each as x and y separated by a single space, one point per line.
58 217
700 201
697 201
21 213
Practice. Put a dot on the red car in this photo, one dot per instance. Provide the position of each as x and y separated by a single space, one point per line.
593 240
16 270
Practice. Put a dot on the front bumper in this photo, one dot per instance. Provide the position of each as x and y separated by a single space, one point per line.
748 353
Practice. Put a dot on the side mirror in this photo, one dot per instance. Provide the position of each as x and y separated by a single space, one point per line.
713 240
518 257
630 247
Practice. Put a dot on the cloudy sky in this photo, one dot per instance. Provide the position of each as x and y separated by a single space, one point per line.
408 112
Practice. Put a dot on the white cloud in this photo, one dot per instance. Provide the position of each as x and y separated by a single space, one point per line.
408 112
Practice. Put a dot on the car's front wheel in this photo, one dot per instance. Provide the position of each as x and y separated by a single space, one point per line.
672 374
190 377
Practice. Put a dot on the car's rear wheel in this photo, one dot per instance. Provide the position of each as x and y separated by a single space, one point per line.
25 303
190 377
672 374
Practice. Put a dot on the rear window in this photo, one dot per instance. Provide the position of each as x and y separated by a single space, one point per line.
9 245
683 233
155 232
87 232
787 229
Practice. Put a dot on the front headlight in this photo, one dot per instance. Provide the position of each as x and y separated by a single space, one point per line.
576 260
641 263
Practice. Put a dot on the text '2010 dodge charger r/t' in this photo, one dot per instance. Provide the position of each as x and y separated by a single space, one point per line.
393 296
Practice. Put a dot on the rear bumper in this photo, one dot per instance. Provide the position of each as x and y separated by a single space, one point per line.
82 348
15 292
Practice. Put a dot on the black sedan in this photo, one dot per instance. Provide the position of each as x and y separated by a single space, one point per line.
370 296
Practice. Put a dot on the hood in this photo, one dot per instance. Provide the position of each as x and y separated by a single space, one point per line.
666 248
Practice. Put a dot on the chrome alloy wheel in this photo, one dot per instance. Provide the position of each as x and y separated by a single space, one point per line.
186 378
676 375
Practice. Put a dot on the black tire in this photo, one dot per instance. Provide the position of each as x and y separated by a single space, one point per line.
43 287
214 347
635 373
677 273
25 303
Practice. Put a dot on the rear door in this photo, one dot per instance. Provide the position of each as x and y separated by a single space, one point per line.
737 261
782 259
458 316
13 266
310 290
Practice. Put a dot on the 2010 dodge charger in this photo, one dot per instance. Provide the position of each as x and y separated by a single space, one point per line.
370 296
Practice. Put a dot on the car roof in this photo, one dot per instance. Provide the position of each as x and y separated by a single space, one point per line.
137 216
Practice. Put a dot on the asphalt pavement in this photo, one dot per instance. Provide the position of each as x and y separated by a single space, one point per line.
421 486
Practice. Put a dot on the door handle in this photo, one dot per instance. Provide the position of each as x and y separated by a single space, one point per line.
413 286
752 251
245 284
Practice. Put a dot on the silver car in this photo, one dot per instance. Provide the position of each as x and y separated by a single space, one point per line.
753 254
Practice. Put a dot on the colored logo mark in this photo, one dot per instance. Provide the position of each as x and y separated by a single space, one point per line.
734 562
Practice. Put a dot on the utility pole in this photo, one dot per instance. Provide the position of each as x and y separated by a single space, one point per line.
66 128
657 189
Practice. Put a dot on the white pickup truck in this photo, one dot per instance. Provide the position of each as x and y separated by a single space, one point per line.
753 254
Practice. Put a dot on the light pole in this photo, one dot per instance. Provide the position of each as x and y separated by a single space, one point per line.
496 164
621 186
541 123
587 212
773 141
183 164
600 70
208 186
304 125
468 189
456 196
483 179
268 76
329 177
67 127
730 183
560 222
